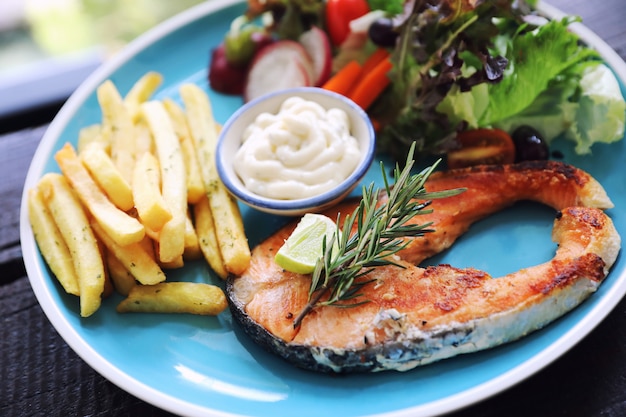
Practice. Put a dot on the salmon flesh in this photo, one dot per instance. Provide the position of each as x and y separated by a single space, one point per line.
414 315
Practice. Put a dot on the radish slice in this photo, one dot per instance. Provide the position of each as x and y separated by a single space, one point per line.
317 44
283 64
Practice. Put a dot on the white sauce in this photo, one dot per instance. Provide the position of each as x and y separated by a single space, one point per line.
303 151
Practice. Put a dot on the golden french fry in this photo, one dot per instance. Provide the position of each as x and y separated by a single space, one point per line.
147 243
108 177
153 235
227 217
133 256
192 245
230 233
51 243
143 140
118 126
175 297
109 289
122 280
73 224
92 135
150 205
108 283
123 228
195 186
141 91
205 229
173 180
174 264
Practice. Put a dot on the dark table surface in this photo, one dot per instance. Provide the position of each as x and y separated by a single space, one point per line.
41 375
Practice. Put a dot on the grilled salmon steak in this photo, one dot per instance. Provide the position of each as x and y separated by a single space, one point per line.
416 315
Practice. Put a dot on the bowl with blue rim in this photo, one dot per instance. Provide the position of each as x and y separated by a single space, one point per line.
263 193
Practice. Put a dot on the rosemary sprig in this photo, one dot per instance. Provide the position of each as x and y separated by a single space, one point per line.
372 234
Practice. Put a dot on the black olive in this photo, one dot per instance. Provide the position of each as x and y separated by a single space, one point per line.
382 32
529 145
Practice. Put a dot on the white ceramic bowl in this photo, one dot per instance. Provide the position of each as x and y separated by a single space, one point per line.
230 140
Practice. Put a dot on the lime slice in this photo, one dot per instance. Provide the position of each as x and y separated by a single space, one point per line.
303 247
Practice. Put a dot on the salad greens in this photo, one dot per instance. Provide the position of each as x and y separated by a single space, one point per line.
393 7
535 58
586 108
599 113
470 64
290 18
492 66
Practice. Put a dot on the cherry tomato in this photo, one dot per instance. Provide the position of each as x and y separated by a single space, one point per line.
482 147
339 14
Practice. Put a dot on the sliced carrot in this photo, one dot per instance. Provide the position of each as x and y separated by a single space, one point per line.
371 84
343 81
374 59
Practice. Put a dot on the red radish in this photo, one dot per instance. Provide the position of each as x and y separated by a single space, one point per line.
280 65
317 44
224 77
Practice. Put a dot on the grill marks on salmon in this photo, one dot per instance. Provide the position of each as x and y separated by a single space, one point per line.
420 315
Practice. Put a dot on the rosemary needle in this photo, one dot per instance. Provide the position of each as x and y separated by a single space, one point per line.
378 231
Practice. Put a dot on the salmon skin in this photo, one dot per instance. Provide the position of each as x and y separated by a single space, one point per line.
414 315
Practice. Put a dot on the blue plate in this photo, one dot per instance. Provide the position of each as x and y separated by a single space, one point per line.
202 366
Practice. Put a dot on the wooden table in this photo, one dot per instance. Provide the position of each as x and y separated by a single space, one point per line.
41 375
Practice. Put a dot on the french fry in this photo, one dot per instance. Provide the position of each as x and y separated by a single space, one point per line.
150 205
192 245
153 235
205 229
118 125
147 243
123 228
173 264
122 280
142 195
175 297
230 233
143 140
133 256
195 186
108 177
140 92
92 135
51 243
173 180
108 289
73 224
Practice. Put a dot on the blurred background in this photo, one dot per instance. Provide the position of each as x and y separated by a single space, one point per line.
47 47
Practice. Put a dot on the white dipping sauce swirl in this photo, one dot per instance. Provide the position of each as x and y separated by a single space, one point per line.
302 151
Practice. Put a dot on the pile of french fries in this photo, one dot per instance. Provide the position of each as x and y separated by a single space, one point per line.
137 196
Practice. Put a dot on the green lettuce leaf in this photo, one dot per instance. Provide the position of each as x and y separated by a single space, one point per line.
551 113
586 109
600 113
393 7
535 59
466 106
